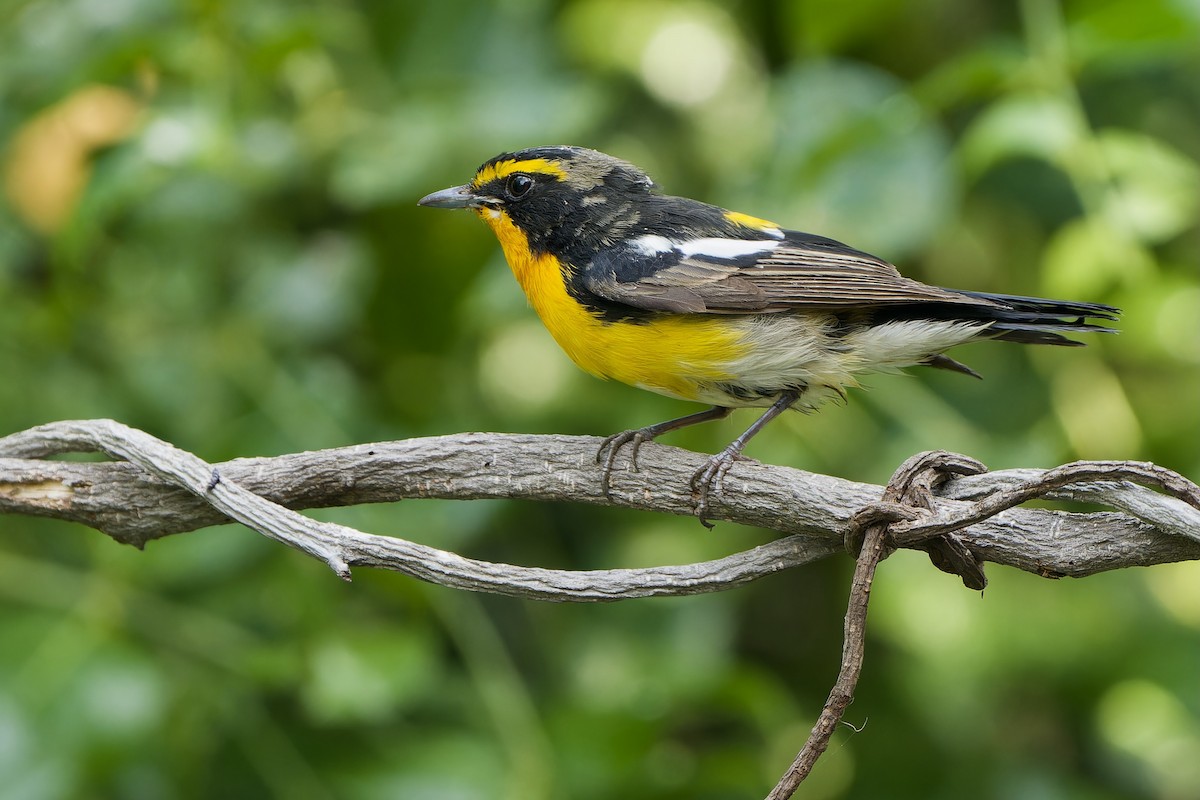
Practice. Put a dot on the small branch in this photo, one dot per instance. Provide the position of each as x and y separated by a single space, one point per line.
909 489
1170 515
1080 472
854 638
908 498
341 547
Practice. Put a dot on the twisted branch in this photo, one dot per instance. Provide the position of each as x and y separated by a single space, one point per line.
906 516
163 490
943 503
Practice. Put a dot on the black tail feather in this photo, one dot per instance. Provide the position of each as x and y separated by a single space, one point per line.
1054 308
1011 318
1034 320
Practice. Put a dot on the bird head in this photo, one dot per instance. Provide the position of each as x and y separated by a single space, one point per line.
557 197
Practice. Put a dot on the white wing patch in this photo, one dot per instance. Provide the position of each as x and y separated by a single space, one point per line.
725 248
652 244
713 247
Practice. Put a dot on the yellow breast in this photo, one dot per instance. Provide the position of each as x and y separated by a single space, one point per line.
673 354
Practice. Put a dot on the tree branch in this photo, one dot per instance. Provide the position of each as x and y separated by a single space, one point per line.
940 502
909 487
906 515
164 491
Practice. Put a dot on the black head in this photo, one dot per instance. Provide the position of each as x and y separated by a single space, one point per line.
557 195
575 168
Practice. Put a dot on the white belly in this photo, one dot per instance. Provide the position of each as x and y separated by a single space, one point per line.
787 351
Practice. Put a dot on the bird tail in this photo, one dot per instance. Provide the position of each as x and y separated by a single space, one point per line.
1034 320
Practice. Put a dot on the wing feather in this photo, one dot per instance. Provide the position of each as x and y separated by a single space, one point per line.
730 276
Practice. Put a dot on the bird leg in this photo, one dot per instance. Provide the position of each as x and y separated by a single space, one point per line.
636 437
708 478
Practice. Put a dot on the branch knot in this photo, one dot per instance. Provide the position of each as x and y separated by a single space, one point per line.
907 498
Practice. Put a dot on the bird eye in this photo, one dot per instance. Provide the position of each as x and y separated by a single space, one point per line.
518 185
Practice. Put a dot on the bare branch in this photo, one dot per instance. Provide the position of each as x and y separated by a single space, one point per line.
906 514
854 641
164 491
48 491
909 488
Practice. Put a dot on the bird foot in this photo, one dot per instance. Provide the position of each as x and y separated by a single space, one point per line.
613 445
708 480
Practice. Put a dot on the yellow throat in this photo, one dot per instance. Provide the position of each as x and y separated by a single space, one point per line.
669 354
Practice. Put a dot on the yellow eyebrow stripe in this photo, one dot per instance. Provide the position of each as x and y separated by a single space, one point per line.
503 169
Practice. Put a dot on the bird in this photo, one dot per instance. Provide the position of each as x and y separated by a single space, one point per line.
699 303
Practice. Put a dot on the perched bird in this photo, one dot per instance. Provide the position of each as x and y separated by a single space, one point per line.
695 302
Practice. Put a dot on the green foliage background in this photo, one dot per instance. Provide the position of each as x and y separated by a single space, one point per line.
209 231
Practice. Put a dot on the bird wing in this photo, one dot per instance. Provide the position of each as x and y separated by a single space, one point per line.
720 275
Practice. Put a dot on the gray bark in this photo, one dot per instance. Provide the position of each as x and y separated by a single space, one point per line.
161 490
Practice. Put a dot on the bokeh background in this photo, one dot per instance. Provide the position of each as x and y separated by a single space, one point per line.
209 230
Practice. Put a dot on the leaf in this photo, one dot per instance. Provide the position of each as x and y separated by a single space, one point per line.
1087 255
1157 188
856 158
1035 125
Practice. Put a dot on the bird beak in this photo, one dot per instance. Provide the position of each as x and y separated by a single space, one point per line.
454 197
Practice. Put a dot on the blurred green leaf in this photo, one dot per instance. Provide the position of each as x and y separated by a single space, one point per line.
1157 193
368 677
855 158
828 27
1034 125
1086 257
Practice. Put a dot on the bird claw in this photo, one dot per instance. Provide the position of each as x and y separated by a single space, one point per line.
708 480
613 445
